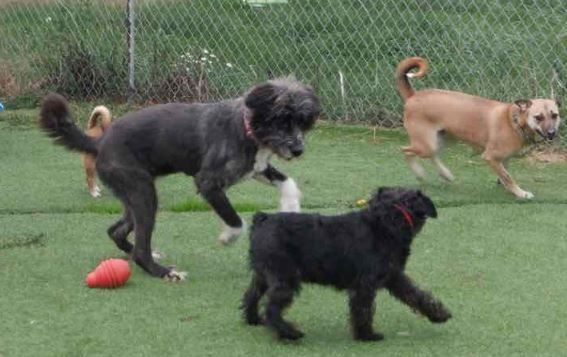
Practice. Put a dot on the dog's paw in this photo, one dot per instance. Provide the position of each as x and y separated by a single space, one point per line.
229 234
369 337
95 192
175 276
447 175
290 334
525 195
157 255
254 320
440 317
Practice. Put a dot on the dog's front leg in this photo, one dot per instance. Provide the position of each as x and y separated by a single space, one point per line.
361 303
290 195
233 224
403 289
505 178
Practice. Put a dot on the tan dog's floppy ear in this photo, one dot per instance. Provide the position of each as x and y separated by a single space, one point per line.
524 104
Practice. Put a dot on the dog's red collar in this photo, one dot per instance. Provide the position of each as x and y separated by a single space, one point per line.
246 117
407 215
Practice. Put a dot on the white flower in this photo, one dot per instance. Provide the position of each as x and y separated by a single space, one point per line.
48 19
205 51
210 62
182 56
213 56
203 59
229 65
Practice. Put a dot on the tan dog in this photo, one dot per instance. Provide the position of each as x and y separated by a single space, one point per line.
498 129
99 121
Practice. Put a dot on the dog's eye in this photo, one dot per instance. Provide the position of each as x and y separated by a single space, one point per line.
554 116
539 118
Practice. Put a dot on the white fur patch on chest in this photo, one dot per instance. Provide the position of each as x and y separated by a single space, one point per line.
262 159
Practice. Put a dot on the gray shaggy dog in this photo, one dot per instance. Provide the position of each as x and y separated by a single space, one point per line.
218 144
359 252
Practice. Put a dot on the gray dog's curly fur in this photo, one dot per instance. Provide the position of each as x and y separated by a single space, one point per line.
360 252
217 143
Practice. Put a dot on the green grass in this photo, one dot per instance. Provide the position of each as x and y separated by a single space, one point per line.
496 262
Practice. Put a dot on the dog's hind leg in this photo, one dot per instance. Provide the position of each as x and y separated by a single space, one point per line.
143 204
414 164
280 296
442 169
424 143
251 299
119 231
89 165
403 289
361 303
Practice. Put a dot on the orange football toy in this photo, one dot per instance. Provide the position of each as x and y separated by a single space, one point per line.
110 273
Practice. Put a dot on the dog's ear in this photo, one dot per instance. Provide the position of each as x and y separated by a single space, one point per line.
425 206
523 104
261 97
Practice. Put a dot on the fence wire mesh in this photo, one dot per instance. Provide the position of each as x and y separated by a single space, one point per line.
202 50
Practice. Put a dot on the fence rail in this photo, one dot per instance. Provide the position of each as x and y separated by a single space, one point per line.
200 50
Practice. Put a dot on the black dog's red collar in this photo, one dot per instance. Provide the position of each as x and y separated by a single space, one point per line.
406 213
246 117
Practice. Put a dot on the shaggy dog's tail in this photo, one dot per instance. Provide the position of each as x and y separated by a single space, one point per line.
54 119
100 116
402 75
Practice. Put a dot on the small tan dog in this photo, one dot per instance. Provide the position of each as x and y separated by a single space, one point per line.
498 129
99 121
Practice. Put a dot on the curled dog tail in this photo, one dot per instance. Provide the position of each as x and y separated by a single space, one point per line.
54 119
100 116
403 75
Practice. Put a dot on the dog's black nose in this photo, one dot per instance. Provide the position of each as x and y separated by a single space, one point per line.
551 134
297 151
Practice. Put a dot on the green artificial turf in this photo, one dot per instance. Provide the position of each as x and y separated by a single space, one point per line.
498 263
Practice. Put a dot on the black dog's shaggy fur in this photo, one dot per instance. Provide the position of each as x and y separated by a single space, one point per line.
216 143
359 252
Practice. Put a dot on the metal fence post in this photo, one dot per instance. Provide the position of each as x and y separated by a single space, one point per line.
131 32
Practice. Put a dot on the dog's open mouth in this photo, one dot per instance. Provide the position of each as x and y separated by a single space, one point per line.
284 153
548 137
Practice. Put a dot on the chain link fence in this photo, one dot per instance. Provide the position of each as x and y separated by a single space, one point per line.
201 50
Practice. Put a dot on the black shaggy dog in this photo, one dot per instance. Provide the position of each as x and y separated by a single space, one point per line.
216 143
359 252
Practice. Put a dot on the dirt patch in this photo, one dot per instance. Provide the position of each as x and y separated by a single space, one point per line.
549 156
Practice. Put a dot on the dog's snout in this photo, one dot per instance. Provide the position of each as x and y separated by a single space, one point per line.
296 148
551 134
297 151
